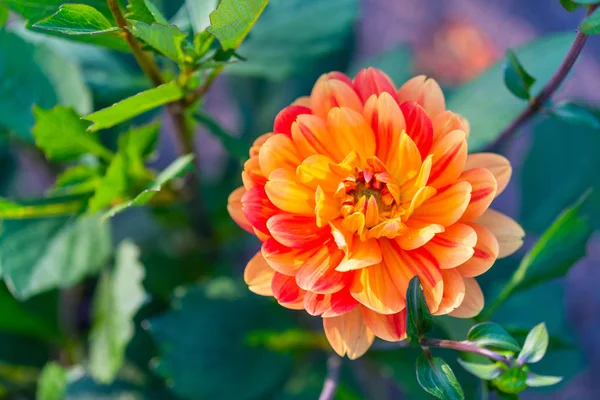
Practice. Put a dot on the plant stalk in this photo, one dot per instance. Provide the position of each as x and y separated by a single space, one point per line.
334 366
464 347
552 86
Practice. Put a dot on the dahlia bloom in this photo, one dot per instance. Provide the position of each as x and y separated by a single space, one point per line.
359 188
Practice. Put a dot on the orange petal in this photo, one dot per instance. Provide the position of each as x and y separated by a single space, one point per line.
417 234
408 159
390 229
286 117
258 275
287 194
329 305
350 132
454 291
473 301
287 292
444 123
257 208
483 191
449 157
315 171
426 93
507 231
407 264
387 327
318 273
348 334
252 175
255 149
499 166
371 81
282 259
446 207
278 152
331 93
385 118
422 195
234 207
310 136
302 101
297 232
418 126
454 246
374 288
484 255
361 255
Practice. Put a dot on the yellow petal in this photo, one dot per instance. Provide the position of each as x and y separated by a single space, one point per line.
499 166
507 231
350 132
473 301
258 275
289 195
374 288
348 334
278 152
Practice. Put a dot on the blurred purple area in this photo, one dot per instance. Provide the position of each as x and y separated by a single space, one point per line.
508 24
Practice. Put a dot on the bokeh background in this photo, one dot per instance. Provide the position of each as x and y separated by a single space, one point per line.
454 41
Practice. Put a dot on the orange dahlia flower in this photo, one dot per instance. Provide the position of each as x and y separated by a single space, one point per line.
359 188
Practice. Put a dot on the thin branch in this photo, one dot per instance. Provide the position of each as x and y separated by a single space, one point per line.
202 90
465 347
553 84
334 366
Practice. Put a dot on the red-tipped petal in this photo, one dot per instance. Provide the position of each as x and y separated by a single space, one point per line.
297 232
287 292
387 327
418 126
371 81
234 207
258 275
286 117
318 273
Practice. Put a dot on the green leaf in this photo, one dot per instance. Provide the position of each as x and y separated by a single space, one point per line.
17 318
482 371
516 79
145 11
206 329
12 210
293 37
62 136
570 5
34 11
199 11
233 19
4 13
113 186
513 381
535 345
135 105
119 296
166 39
174 170
556 252
418 317
534 380
575 114
52 384
490 334
40 254
591 24
586 2
235 146
488 104
77 19
436 377
77 179
136 146
41 77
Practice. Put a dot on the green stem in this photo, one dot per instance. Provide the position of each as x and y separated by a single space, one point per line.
466 346
202 90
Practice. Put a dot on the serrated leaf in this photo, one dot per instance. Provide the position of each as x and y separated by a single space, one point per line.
41 77
437 378
113 186
77 19
135 105
490 334
576 114
481 99
166 39
136 145
482 371
34 11
534 380
535 345
52 384
512 381
199 335
62 136
145 11
199 11
12 210
174 170
233 19
570 5
418 317
118 297
40 254
591 24
516 79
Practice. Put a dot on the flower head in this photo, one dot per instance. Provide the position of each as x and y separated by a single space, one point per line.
359 188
